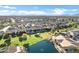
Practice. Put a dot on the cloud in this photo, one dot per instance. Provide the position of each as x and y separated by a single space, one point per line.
63 11
3 11
58 11
32 12
55 11
7 7
22 12
74 10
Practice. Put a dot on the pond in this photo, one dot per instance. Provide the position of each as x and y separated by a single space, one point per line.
42 47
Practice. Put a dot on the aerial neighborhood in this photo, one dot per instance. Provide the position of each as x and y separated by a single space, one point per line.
23 34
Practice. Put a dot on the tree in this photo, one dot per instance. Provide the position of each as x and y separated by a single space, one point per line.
36 35
0 37
13 34
2 45
20 39
26 45
24 37
5 36
8 42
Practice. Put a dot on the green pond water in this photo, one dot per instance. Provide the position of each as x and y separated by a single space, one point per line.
42 47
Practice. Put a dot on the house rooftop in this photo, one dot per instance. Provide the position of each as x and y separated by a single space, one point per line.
63 41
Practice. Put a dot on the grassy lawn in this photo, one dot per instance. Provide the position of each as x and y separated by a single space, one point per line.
31 39
1 41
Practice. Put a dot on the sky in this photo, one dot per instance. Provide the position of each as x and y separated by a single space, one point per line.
42 10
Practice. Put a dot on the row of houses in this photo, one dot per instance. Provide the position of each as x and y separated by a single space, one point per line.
26 23
28 27
16 20
67 41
